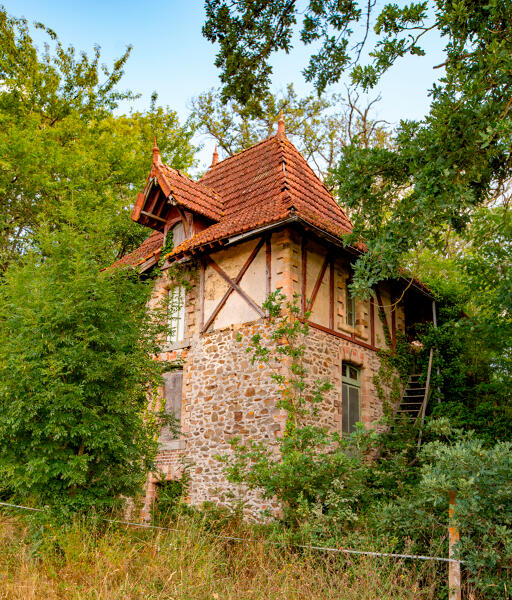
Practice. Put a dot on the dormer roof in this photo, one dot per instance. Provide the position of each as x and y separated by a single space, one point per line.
167 187
263 185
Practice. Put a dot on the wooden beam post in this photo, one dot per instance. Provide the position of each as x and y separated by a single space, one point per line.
372 321
454 592
331 294
201 294
268 266
304 253
393 323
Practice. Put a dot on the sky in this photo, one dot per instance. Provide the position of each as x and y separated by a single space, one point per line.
171 57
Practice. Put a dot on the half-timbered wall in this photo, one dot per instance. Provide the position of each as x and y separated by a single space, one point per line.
223 393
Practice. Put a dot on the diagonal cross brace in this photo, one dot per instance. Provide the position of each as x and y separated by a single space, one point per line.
233 285
318 283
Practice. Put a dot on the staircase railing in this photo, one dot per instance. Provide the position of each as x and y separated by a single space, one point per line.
423 409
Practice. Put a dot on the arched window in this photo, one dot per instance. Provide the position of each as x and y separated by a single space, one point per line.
350 397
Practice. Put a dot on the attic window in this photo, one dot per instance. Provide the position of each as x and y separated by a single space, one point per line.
178 234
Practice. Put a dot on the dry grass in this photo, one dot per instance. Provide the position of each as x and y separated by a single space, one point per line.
193 564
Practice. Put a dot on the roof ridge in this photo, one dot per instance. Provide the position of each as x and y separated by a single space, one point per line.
292 148
283 175
190 180
238 154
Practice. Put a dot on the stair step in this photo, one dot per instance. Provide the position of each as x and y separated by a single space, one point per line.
411 403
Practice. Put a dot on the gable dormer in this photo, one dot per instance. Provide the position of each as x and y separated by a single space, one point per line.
171 200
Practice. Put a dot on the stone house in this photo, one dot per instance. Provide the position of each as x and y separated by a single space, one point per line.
258 221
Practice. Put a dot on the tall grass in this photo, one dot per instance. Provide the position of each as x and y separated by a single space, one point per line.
82 562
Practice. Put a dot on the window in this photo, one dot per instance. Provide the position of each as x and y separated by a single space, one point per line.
178 234
350 396
173 385
350 302
176 311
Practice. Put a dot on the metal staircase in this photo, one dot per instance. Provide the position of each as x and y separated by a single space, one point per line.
413 403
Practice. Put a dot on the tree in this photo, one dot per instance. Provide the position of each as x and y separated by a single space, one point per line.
440 169
319 126
443 177
76 365
77 342
61 141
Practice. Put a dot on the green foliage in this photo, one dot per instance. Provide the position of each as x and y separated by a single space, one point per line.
438 177
170 499
483 512
75 367
62 143
319 126
480 476
315 475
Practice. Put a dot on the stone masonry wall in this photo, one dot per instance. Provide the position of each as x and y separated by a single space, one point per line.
224 395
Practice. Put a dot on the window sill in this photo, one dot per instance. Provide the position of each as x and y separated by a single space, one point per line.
171 445
346 328
186 343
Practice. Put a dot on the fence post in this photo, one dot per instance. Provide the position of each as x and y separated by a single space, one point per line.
453 567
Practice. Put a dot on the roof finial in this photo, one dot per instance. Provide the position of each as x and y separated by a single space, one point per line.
156 154
215 158
280 124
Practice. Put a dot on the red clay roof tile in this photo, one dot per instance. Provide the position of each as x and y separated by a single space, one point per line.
151 246
259 186
191 194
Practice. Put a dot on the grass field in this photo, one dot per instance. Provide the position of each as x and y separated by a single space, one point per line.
81 562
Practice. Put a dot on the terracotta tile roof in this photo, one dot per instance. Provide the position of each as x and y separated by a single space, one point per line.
260 186
190 194
263 185
151 246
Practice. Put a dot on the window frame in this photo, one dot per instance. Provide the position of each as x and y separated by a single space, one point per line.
350 383
178 224
176 314
350 301
171 405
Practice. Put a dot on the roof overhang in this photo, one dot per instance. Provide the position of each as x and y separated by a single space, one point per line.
291 220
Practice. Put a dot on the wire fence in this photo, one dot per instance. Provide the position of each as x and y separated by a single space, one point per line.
273 543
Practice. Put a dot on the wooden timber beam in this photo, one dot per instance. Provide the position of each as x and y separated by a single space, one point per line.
268 265
331 293
382 311
372 321
318 283
304 253
338 334
152 216
393 323
201 294
233 285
